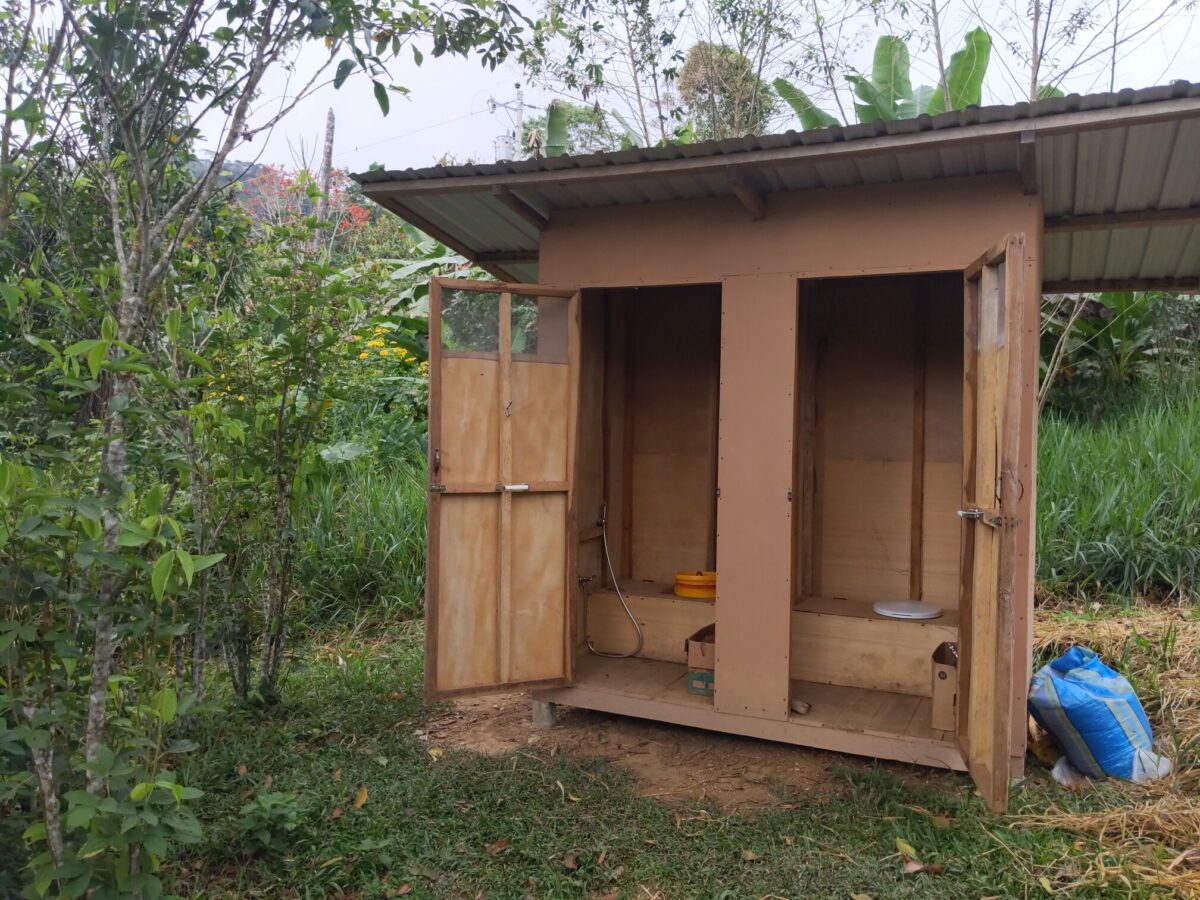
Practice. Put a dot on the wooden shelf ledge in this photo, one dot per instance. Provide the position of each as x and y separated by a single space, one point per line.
862 609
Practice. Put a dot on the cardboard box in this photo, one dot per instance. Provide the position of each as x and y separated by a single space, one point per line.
945 687
701 650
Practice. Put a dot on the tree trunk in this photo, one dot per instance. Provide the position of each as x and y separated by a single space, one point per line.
324 179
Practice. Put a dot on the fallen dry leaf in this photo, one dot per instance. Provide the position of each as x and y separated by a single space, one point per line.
435 753
405 888
360 799
787 839
337 775
241 769
601 859
499 846
570 862
337 813
860 897
1045 883
904 847
916 867
268 781
749 856
396 695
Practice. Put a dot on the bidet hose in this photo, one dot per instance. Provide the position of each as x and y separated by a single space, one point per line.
620 596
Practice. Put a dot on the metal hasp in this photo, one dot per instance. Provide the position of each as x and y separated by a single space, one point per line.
989 517
522 486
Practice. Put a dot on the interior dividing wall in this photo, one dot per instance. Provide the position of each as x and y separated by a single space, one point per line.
879 428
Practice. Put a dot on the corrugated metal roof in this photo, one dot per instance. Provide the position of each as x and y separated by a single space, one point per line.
1133 152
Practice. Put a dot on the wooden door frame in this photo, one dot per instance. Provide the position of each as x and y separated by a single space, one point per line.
505 290
990 768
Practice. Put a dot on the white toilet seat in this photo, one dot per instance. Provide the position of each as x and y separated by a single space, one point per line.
907 609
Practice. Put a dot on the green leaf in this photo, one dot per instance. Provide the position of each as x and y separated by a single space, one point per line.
381 97
890 71
875 105
1049 92
556 128
171 325
164 704
342 451
141 792
94 847
160 574
95 358
964 75
810 116
80 816
345 67
186 563
80 347
12 298
200 563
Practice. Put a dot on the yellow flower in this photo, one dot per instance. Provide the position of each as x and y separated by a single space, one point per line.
242 397
383 353
403 353
363 355
374 343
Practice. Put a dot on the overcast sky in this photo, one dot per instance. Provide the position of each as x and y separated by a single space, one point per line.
448 112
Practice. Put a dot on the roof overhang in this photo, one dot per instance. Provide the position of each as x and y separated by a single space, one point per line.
1118 175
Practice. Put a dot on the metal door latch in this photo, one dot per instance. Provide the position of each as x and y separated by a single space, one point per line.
521 486
437 489
989 517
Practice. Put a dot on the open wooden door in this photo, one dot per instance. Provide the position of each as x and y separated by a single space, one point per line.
994 305
504 364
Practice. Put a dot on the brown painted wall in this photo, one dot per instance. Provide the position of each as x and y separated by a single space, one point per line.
876 229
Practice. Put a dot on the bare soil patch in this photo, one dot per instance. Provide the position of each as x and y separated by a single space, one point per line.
670 763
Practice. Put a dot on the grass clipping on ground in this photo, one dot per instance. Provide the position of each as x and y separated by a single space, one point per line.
1157 831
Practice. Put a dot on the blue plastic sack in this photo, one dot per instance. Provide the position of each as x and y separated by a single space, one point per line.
1093 714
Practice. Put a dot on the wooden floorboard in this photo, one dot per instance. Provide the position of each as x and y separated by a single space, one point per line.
845 719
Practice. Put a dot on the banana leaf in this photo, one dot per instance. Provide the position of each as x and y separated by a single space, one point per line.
811 117
875 105
964 75
556 128
890 72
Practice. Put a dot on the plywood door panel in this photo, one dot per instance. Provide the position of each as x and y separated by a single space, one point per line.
943 532
992 415
468 592
754 506
537 613
470 421
540 415
500 572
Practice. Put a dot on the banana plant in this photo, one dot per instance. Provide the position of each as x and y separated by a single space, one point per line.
888 93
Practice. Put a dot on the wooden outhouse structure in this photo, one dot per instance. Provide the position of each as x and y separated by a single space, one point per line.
805 361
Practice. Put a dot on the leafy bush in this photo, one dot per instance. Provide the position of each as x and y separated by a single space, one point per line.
266 822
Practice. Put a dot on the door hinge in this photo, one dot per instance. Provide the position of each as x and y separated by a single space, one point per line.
989 517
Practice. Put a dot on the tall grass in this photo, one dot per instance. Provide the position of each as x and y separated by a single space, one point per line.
362 543
1119 499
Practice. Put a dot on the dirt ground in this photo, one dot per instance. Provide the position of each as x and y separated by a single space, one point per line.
670 763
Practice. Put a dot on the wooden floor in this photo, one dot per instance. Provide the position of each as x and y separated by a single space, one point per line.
847 719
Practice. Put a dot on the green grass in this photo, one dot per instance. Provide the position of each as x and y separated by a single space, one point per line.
1119 500
362 543
347 722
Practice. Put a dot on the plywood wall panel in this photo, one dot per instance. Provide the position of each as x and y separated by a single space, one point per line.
754 509
673 344
864 542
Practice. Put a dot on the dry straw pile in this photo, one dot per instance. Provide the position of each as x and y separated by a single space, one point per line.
1156 835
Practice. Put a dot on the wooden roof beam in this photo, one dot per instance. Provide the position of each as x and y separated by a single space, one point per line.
1141 218
1096 286
1028 160
527 213
750 198
507 256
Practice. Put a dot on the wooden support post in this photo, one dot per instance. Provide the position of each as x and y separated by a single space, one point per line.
745 192
530 215
917 522
545 714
